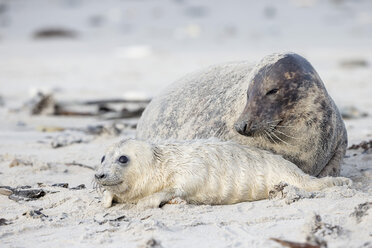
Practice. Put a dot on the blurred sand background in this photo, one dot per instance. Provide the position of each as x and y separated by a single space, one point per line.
133 49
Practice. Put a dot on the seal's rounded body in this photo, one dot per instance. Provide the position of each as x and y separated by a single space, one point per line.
198 171
286 110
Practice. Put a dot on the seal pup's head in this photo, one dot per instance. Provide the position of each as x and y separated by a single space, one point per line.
125 168
281 91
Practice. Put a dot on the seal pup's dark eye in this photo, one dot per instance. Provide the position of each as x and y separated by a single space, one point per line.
272 92
102 159
123 159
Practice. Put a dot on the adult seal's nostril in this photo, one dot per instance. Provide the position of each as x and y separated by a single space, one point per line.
100 175
245 128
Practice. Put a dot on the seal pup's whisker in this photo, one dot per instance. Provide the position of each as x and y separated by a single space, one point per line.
97 187
94 184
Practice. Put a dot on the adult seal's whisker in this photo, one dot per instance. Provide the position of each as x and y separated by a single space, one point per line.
283 126
276 130
279 120
280 139
268 135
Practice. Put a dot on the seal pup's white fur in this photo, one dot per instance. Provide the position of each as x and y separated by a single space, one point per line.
198 171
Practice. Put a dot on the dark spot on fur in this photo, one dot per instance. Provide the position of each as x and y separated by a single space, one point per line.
323 105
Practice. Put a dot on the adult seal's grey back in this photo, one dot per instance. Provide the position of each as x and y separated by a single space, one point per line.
286 110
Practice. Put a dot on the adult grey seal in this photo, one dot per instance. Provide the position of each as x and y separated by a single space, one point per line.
199 172
286 110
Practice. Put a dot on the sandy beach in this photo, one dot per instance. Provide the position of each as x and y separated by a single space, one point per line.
79 51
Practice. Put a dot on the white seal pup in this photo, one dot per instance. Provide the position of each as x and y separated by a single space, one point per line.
286 110
199 172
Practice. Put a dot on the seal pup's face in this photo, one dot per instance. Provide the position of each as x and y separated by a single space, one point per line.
123 165
280 89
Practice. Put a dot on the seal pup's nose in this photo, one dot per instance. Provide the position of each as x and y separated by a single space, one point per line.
100 175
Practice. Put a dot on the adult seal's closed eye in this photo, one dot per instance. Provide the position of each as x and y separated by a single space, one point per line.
198 171
286 110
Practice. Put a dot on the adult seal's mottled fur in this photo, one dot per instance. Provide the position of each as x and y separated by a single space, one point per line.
286 110
198 171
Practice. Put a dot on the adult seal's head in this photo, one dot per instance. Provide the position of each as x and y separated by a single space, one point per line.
289 107
279 86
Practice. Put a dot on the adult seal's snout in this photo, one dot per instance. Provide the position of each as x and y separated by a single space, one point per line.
245 128
283 95
240 127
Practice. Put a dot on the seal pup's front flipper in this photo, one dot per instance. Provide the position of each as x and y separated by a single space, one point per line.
156 200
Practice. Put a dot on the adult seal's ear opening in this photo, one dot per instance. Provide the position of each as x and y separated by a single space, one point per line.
288 107
288 111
